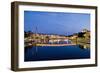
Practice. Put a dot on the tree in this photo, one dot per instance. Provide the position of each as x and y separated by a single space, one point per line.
27 34
81 34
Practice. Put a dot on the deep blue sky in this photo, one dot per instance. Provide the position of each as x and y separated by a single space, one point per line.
56 22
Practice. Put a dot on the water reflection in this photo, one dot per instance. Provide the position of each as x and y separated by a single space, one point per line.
40 53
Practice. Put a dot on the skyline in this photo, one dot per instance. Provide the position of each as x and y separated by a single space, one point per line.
55 22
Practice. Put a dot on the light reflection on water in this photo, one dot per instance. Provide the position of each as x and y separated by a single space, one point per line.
55 53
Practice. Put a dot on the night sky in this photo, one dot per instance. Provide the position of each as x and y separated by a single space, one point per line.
56 22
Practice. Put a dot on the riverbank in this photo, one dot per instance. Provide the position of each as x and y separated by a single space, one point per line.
49 45
54 44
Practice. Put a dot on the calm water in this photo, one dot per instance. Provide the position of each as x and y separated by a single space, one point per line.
55 53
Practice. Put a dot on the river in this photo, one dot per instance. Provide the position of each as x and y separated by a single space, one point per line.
55 53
